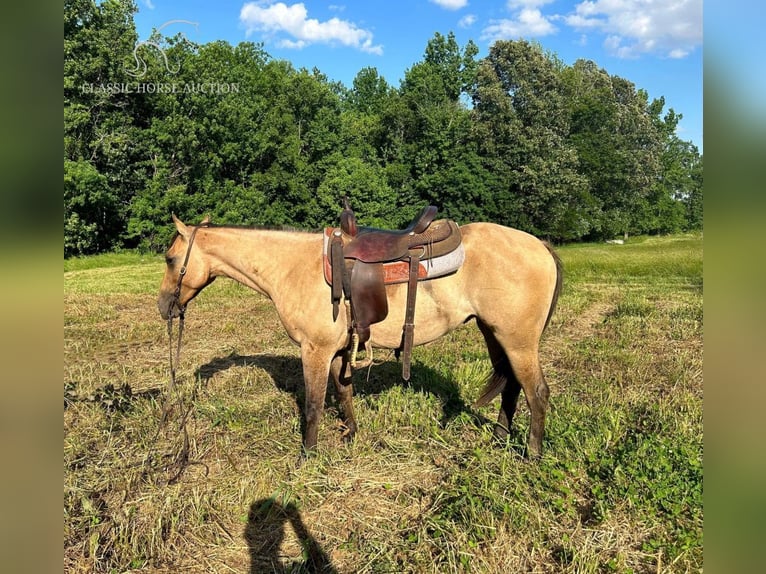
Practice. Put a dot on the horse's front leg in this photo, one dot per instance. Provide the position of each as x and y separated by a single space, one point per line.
341 376
316 369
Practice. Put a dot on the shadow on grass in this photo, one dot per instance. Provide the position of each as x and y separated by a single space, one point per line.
110 398
265 532
287 374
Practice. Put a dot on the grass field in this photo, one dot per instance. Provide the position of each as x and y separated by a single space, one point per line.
424 487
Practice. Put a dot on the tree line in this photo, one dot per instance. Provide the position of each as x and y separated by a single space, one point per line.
519 138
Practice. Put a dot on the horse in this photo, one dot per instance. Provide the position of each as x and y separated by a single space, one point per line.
509 284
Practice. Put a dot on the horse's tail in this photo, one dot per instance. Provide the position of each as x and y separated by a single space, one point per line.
503 371
494 387
559 282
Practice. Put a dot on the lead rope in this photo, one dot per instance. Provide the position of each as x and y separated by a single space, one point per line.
166 410
181 461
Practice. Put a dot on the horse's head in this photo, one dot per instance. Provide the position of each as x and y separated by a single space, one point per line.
187 270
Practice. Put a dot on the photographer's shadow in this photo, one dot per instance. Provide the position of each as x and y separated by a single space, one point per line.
265 532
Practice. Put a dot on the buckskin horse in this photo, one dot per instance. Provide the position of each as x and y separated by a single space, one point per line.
509 282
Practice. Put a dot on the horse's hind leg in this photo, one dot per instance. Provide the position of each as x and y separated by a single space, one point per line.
526 366
341 376
516 366
503 380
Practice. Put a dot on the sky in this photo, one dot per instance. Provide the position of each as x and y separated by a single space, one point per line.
656 44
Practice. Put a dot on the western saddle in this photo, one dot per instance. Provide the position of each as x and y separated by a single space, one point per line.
360 261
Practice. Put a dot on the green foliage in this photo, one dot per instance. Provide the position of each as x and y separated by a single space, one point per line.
620 141
522 125
363 184
650 469
90 209
99 123
517 137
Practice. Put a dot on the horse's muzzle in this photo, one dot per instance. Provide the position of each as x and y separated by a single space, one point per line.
168 306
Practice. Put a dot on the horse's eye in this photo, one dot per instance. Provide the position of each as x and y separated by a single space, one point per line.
169 260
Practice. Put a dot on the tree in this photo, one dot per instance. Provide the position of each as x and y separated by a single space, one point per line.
517 137
98 122
364 184
90 209
435 149
369 91
617 144
676 200
521 123
456 68
693 200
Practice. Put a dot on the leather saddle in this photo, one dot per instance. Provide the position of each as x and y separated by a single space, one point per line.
361 261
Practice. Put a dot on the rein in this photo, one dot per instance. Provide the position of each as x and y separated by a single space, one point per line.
181 314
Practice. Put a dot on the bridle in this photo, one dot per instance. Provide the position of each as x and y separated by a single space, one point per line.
182 311
182 272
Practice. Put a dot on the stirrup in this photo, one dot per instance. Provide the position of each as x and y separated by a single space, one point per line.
367 361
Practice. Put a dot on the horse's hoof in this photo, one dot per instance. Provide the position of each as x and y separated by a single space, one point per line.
532 455
348 434
304 455
501 433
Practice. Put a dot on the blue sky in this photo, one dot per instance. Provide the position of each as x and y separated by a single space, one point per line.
656 44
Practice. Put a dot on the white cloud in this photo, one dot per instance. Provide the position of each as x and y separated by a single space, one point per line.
149 4
530 22
279 18
678 53
291 44
467 21
516 4
451 4
669 27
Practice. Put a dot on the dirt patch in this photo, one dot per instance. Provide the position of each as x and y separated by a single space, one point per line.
586 323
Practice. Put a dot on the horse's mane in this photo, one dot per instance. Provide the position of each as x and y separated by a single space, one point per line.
259 228
284 228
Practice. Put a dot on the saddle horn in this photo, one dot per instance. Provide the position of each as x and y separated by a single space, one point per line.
348 219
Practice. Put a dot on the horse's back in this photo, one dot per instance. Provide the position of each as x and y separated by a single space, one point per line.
506 241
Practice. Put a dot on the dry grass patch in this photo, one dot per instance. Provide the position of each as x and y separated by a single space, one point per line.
425 487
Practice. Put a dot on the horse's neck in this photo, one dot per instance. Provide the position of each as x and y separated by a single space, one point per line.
259 259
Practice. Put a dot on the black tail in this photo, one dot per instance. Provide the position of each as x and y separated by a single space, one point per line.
494 387
559 282
502 372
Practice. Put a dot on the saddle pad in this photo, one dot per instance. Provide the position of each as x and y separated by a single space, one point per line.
399 271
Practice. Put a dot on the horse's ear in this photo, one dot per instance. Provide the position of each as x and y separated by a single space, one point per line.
205 221
180 226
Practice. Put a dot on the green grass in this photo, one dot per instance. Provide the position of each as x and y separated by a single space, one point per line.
676 259
118 259
424 487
